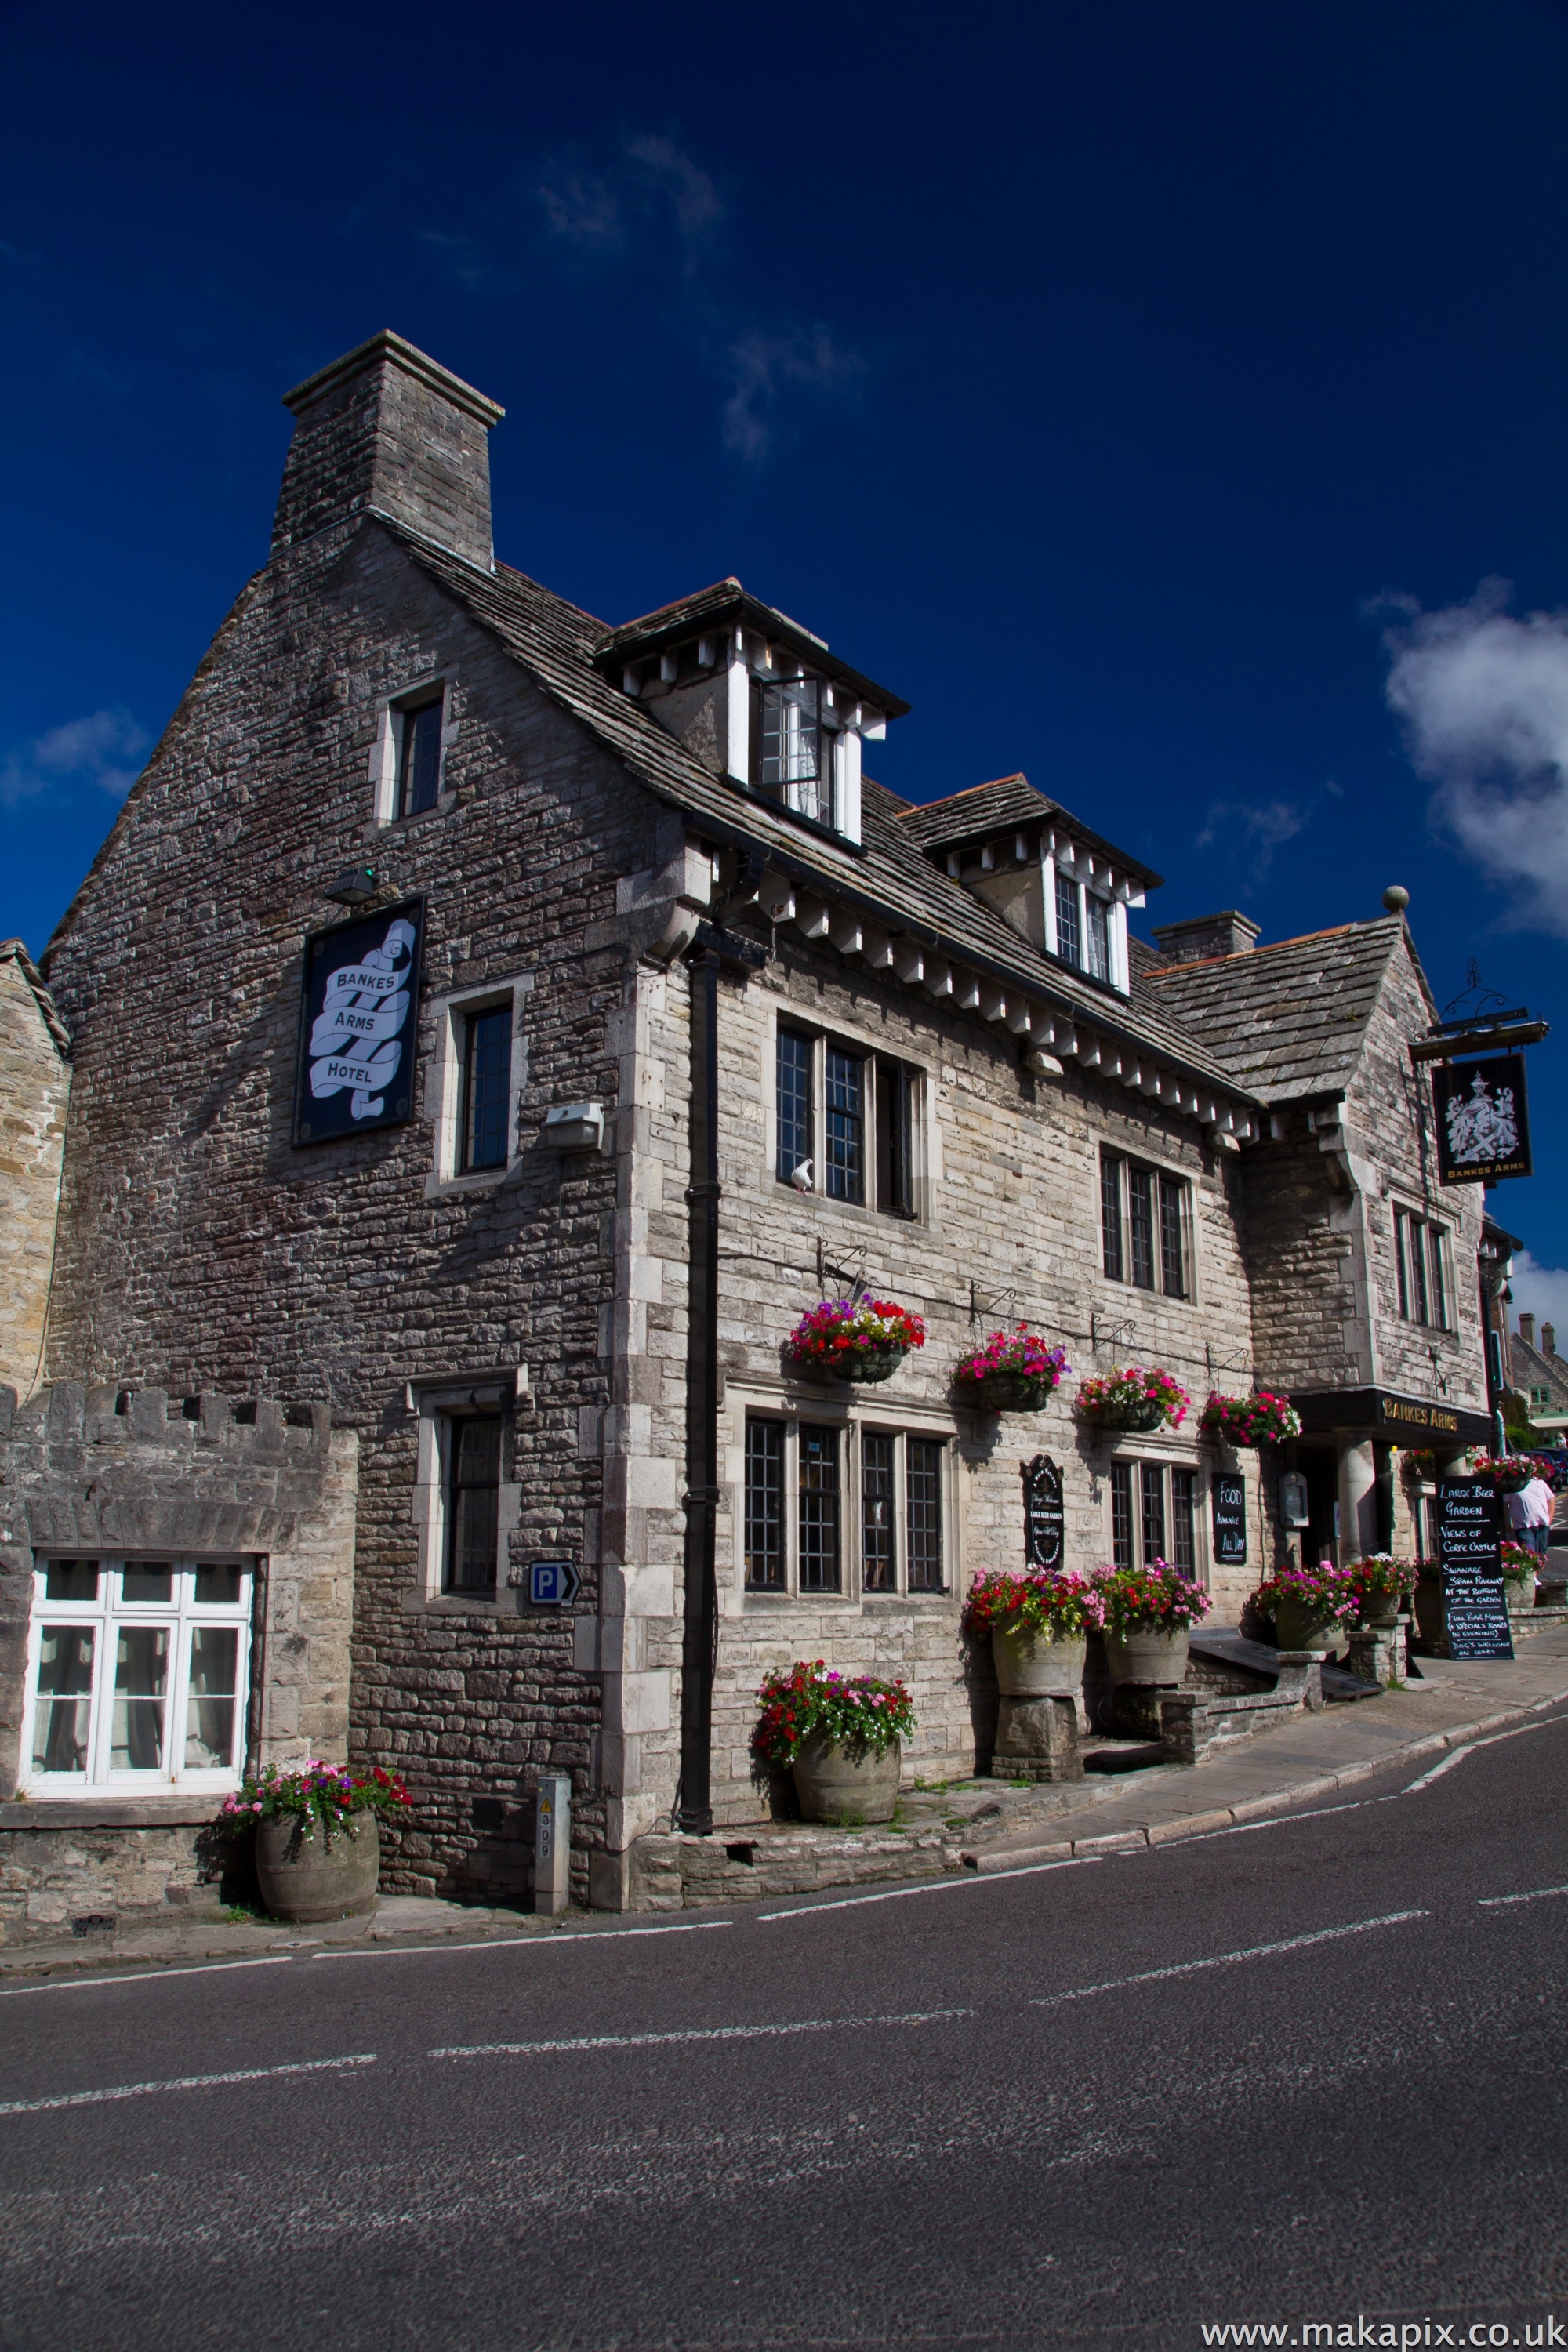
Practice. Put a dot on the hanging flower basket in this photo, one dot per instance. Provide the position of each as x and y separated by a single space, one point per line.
1257 1420
848 1339
1014 1372
1133 1397
1512 1473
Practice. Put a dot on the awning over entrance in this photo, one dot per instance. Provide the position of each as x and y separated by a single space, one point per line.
1384 1414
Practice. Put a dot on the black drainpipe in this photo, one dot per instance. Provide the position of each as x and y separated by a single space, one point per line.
711 948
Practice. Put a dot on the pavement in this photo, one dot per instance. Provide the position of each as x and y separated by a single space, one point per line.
1300 2074
977 1825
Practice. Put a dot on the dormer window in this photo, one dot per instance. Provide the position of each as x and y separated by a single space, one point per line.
1069 945
1097 937
1085 927
797 747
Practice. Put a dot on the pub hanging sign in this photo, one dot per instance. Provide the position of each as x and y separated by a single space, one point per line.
359 1020
1483 1122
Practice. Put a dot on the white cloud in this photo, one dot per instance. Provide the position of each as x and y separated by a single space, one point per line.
768 366
103 750
1483 697
1256 832
651 183
1541 1291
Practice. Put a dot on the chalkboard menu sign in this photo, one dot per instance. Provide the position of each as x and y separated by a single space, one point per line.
1229 1495
1469 1533
1044 1522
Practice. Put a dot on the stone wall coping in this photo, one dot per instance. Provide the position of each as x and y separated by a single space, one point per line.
113 1812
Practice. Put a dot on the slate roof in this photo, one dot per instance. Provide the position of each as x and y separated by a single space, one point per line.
983 809
1289 1020
723 604
889 878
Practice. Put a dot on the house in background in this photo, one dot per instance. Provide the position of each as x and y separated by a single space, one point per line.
489 1031
1539 1375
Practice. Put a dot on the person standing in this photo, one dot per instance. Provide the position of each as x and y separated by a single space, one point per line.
1530 1514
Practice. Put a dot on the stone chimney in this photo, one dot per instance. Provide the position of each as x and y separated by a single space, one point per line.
386 427
1202 936
1548 1340
1527 1329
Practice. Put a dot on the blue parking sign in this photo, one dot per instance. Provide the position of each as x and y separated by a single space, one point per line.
552 1583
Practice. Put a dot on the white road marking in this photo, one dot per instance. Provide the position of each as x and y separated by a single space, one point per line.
145 1976
1457 1755
1228 1959
1536 1895
577 1937
695 2033
1275 1821
937 1887
183 2082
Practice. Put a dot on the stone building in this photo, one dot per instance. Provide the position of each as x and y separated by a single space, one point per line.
489 1031
1538 1375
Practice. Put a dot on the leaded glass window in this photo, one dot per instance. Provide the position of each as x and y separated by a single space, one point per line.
420 759
473 1504
487 1089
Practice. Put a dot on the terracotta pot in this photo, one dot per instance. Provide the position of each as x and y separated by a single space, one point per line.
835 1786
1148 1654
875 1364
1035 1662
318 1877
1006 1392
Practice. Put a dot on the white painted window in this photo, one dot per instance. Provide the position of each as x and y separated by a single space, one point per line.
138 1675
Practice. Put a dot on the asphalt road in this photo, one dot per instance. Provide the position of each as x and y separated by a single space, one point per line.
1076 2107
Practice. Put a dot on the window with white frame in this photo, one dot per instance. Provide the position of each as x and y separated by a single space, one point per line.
802 748
836 1509
137 1674
1421 1258
1144 1226
846 1122
1085 922
1153 1515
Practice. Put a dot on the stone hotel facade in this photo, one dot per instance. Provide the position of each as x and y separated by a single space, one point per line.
483 1034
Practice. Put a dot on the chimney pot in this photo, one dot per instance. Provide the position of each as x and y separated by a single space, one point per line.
1527 1329
387 427
1548 1340
1202 936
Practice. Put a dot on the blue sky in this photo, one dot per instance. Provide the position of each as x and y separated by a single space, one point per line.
1145 392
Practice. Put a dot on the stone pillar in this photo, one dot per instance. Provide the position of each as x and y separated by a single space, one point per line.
1037 1739
1358 1501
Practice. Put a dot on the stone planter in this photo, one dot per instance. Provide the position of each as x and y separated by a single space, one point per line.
314 1878
1376 1609
875 1364
1034 1662
1519 1591
1005 1392
1148 1654
1128 1418
835 1786
1298 1627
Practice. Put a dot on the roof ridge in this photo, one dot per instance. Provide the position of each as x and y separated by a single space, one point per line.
1271 946
1016 776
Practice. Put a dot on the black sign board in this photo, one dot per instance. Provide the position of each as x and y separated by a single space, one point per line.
1229 1498
1045 1521
359 1020
1483 1120
1469 1532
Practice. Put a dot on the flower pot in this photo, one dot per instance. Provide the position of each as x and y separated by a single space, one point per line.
1037 1662
1148 1654
834 1785
871 1364
1006 1392
1129 1417
1519 1591
1376 1609
318 1877
1298 1626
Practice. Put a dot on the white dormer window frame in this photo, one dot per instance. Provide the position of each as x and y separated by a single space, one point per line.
811 759
1088 881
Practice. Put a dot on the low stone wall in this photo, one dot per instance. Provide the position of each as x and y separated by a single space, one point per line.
91 1869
